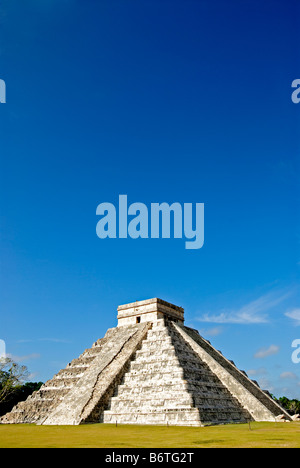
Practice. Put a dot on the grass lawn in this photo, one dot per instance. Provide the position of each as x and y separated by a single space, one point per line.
283 435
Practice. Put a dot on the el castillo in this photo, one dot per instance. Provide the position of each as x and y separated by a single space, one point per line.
149 370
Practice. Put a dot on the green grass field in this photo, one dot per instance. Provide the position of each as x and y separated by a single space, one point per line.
281 435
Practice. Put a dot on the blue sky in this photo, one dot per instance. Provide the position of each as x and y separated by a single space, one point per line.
164 101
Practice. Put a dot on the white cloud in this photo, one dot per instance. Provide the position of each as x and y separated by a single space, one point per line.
256 372
214 331
265 352
253 312
288 375
32 375
27 357
294 315
53 340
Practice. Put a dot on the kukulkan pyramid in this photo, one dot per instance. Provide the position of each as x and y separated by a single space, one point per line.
150 369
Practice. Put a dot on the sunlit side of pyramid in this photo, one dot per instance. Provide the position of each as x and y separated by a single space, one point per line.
150 369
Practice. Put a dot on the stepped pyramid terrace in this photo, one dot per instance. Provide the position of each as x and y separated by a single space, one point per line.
150 369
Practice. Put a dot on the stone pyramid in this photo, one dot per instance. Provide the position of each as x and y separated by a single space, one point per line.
150 369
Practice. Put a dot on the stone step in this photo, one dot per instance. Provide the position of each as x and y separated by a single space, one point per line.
82 361
177 397
71 372
190 368
158 334
59 384
67 381
50 394
187 417
146 388
213 412
154 366
140 406
143 375
162 335
174 397
155 349
188 361
154 412
153 358
169 392
92 352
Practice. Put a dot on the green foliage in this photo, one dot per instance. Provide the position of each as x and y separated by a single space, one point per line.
12 386
11 375
17 394
291 406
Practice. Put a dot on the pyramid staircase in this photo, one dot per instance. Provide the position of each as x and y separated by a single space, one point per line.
168 384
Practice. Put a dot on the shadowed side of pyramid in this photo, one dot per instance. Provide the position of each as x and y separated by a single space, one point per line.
258 403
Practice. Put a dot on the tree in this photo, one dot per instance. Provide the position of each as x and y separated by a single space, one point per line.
11 375
294 406
19 393
291 406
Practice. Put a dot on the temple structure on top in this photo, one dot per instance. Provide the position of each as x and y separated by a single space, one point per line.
150 310
150 369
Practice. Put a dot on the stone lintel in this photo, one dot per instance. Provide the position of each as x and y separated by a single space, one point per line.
149 310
